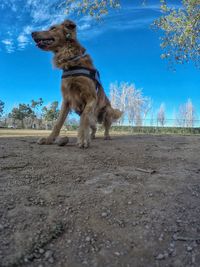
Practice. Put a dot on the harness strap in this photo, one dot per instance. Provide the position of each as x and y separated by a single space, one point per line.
82 71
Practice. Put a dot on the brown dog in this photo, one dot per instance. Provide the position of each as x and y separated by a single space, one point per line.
83 94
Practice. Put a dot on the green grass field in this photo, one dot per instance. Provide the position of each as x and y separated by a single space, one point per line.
115 130
29 132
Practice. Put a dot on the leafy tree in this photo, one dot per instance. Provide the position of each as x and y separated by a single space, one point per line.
181 40
50 113
21 112
36 104
1 108
181 27
94 8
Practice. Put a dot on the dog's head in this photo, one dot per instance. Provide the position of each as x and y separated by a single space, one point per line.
56 36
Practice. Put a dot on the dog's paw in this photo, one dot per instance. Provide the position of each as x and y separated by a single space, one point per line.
41 141
107 138
93 136
84 144
45 141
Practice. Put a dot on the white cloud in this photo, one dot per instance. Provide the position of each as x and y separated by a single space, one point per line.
11 4
25 16
84 26
22 41
28 29
20 18
8 43
86 19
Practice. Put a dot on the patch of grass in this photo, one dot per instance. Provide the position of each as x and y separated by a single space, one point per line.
155 130
30 132
115 130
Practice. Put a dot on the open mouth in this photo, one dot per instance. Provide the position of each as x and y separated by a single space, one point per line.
44 42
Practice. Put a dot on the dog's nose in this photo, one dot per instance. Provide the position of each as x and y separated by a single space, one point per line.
33 34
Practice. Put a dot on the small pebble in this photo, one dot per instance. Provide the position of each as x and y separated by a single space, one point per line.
41 250
104 214
87 239
160 257
51 260
48 254
117 253
189 248
26 260
161 237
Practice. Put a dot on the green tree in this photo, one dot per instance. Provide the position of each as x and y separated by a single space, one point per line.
2 105
181 27
36 104
21 112
94 8
50 113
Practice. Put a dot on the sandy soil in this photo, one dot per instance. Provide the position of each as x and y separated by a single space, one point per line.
133 201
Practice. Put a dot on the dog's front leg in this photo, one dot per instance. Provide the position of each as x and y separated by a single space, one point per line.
56 129
87 119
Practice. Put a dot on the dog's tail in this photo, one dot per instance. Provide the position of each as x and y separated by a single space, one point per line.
115 113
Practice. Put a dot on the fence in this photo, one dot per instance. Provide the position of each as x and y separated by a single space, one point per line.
167 123
150 126
174 123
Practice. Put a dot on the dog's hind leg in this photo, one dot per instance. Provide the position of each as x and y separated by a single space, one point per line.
58 125
94 129
93 126
107 124
87 119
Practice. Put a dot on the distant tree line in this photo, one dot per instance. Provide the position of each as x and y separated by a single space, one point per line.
33 115
30 112
137 111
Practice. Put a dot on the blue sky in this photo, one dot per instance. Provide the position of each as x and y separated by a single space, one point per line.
123 47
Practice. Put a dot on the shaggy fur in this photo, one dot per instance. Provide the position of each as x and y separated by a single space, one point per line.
79 93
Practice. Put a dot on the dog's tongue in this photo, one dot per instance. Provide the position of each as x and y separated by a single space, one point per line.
40 43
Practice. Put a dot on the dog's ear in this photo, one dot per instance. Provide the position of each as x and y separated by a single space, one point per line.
69 29
69 25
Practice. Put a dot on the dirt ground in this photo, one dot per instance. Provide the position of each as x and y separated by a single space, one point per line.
133 201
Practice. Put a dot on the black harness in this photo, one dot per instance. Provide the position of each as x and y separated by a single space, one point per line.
81 71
